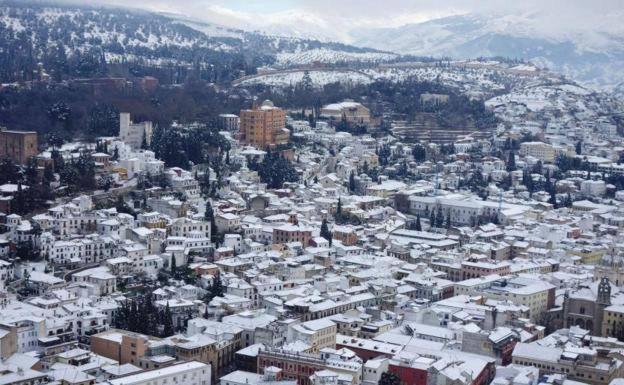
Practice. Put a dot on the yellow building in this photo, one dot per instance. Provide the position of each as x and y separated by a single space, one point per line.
318 334
613 321
264 126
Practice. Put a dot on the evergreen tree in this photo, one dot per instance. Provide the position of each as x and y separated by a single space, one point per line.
324 230
553 198
339 207
432 219
389 378
579 147
306 82
419 153
418 225
48 174
275 170
511 162
144 145
352 182
440 218
174 268
216 290
448 220
167 322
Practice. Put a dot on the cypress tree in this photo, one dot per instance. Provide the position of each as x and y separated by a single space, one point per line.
352 182
418 225
174 268
511 161
439 218
324 230
167 322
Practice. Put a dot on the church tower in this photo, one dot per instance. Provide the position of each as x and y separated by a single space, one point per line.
604 292
603 299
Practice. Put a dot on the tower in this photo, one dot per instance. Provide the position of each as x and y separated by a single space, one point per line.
604 292
603 299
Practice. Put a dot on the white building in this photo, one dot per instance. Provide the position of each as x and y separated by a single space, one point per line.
187 373
134 133
593 188
539 150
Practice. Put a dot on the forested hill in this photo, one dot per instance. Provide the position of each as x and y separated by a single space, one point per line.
71 41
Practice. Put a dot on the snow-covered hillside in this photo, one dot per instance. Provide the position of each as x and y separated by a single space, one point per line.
595 57
87 37
319 78
330 56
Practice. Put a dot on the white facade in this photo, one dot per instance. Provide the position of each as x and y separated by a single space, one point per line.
134 133
187 373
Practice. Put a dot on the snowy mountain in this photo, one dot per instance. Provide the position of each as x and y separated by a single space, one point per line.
588 54
80 41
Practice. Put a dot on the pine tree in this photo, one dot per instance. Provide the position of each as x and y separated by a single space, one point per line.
432 219
339 207
418 225
579 147
448 220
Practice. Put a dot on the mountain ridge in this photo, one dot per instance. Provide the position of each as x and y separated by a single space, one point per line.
592 58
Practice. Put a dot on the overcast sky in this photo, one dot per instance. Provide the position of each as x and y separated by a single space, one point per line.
335 19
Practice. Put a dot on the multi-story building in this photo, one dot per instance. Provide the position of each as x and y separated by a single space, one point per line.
264 126
229 122
585 306
300 366
188 373
576 363
134 134
613 322
19 146
352 112
475 269
536 295
539 150
319 334
292 233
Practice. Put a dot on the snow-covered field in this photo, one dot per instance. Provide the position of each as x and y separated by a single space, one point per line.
538 98
319 78
323 55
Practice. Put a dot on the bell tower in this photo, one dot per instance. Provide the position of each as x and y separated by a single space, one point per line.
604 292
603 299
